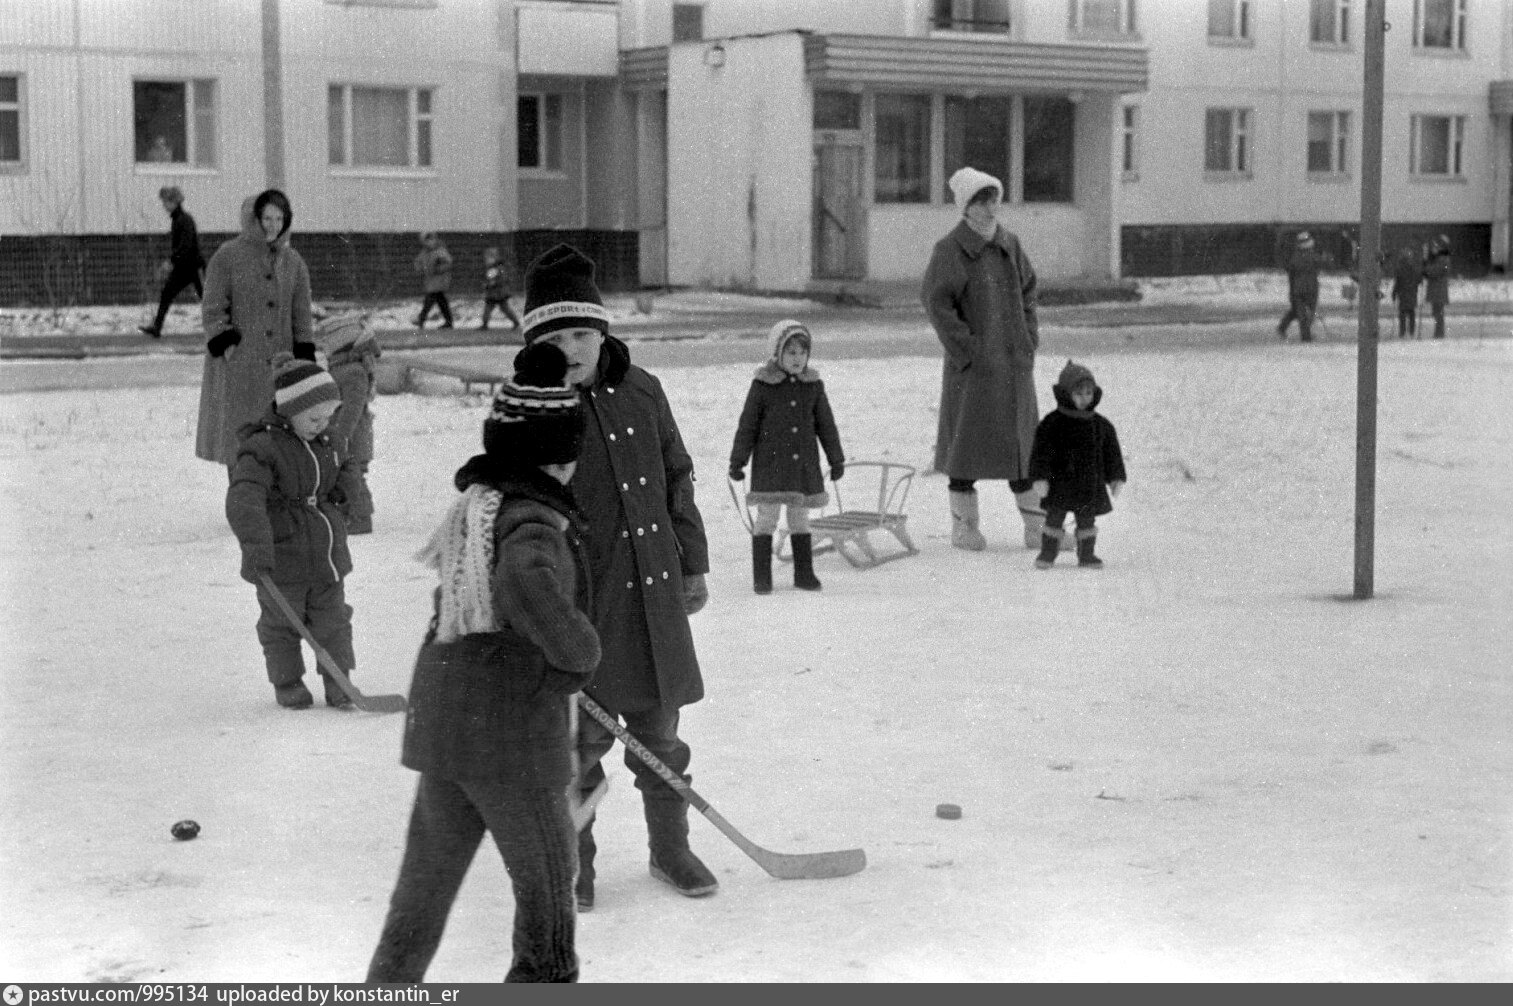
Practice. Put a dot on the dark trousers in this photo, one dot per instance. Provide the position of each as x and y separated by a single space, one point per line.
1407 322
1301 310
437 298
970 485
1438 310
179 279
503 303
534 833
656 729
324 609
1086 520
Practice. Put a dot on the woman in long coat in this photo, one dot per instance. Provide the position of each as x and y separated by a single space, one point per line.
979 292
257 304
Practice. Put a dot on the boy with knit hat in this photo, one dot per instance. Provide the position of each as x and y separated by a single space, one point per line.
491 701
351 354
1076 464
647 557
286 503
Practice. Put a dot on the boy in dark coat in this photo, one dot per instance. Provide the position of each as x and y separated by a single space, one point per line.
488 720
647 558
285 503
785 414
1076 464
1302 289
1407 276
352 352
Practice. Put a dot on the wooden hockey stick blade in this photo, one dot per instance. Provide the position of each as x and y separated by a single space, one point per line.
367 703
582 809
783 865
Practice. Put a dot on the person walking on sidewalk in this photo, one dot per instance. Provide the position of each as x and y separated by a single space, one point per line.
979 293
185 266
647 557
495 292
434 263
1407 277
1302 289
1437 282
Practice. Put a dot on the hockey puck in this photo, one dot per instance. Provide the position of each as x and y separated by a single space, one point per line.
948 811
185 830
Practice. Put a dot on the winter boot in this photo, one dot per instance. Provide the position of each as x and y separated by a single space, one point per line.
964 533
672 862
1050 545
293 695
803 562
335 697
583 888
761 563
1085 556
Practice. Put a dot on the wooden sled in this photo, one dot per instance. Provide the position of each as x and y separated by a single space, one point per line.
849 531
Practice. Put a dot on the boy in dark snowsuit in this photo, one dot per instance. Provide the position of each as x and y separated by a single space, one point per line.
488 726
285 503
352 352
1076 464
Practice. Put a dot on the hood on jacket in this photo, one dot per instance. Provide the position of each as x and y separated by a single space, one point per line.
252 229
1072 375
345 331
967 182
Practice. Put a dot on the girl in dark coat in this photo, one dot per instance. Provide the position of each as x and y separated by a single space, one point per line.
489 714
1076 464
786 412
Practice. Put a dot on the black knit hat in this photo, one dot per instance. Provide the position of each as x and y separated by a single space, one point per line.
560 293
535 419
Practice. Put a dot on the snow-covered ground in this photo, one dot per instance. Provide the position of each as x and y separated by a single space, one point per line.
1200 763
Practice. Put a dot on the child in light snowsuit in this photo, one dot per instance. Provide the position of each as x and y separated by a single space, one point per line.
351 350
1076 464
286 503
434 263
786 412
488 721
495 293
1407 277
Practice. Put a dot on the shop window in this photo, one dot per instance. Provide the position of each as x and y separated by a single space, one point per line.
687 22
1436 145
971 15
901 154
1226 141
1328 142
1229 20
379 127
837 110
1439 24
1329 22
1050 138
12 124
977 135
539 132
174 122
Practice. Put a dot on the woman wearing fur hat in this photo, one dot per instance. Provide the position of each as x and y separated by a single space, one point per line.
352 351
1437 282
785 414
1076 464
490 705
979 292
257 305
647 559
1302 289
286 502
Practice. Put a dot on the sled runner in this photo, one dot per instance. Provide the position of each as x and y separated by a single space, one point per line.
849 531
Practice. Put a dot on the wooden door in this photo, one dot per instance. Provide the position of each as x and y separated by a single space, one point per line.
839 222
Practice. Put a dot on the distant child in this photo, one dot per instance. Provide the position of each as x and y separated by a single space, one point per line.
488 720
786 411
1407 276
434 263
352 351
285 503
1076 464
494 292
1437 281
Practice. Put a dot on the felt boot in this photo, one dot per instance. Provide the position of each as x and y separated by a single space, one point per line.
803 562
1085 556
672 862
293 695
964 532
1050 545
761 563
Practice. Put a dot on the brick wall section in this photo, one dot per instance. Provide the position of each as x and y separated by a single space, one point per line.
1197 250
66 270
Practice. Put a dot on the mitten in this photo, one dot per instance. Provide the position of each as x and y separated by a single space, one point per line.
1114 487
836 471
1041 488
304 351
695 593
736 474
218 344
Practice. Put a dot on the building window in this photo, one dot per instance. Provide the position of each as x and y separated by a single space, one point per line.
1439 24
837 110
1226 141
1328 142
174 122
1129 151
971 15
1329 22
538 131
687 22
378 127
977 135
1103 17
12 124
901 155
1436 145
1229 20
1050 137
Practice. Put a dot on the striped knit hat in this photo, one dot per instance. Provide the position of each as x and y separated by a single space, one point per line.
299 384
535 420
342 331
560 293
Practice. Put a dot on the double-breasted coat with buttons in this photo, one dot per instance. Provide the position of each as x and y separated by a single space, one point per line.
635 489
263 291
784 419
980 296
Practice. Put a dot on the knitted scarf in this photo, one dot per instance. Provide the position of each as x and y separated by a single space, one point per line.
462 551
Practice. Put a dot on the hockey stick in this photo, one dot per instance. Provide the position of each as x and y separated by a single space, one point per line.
783 865
367 703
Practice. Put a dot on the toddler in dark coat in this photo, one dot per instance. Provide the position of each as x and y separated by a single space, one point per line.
488 726
1076 464
286 503
786 413
495 292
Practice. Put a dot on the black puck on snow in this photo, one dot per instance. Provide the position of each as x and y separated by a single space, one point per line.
185 830
948 811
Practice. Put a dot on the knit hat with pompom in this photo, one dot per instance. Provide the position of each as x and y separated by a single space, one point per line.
535 419
300 384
